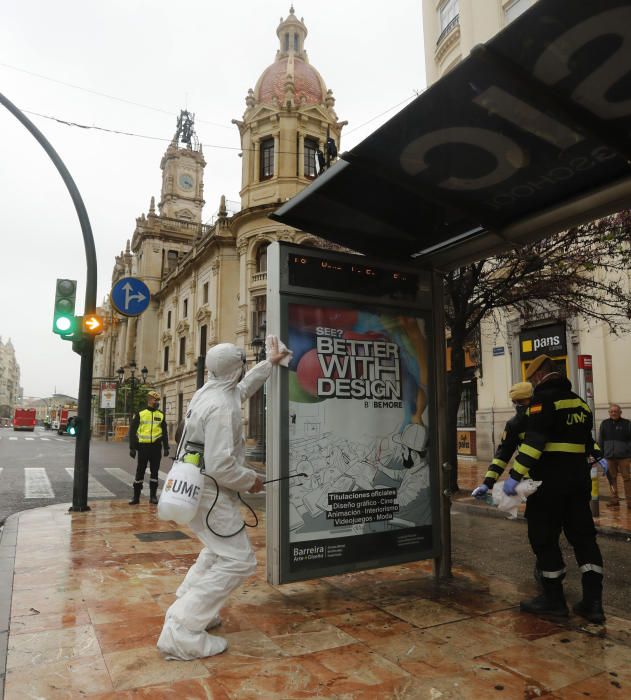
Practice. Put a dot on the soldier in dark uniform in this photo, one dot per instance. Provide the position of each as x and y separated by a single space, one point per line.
513 434
557 440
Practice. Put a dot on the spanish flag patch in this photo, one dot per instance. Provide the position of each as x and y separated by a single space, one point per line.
536 408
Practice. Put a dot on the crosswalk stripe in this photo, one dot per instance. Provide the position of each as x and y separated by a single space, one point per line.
120 474
37 484
12 438
29 438
95 488
45 439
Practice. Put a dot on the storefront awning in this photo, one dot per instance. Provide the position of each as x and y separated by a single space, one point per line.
529 135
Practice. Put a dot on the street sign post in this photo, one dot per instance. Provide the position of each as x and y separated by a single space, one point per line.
130 296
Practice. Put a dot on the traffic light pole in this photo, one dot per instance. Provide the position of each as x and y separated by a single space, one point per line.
82 445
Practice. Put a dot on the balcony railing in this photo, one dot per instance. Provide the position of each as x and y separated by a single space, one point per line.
447 30
259 278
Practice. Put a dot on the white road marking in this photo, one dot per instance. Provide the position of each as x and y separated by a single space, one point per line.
12 438
29 438
95 488
46 439
37 483
120 474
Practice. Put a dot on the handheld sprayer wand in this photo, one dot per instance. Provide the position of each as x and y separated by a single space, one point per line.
283 478
247 505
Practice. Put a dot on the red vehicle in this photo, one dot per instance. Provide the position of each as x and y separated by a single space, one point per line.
64 415
24 419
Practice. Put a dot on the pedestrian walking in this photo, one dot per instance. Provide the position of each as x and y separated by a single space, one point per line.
557 440
614 438
520 394
214 429
148 437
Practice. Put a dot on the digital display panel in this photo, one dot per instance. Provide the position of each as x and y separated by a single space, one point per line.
333 275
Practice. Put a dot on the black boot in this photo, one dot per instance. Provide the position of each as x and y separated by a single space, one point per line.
153 488
137 489
591 607
551 602
591 610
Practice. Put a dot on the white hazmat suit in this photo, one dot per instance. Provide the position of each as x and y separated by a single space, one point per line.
214 420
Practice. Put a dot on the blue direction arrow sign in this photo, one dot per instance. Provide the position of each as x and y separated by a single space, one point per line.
130 296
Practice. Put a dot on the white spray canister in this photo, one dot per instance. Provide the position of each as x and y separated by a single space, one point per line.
182 490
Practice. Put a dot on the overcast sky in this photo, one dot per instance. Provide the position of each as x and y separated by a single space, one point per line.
134 65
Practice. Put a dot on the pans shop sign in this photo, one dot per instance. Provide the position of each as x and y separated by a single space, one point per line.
550 340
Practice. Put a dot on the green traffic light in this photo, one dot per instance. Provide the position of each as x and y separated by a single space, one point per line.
63 324
64 321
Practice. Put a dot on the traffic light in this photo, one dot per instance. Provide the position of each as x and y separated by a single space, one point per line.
73 426
92 324
64 322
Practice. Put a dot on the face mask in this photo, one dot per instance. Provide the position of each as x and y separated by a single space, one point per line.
408 462
520 409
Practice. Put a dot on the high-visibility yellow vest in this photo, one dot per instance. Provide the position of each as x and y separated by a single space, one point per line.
150 426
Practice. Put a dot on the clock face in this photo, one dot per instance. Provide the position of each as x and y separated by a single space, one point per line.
186 181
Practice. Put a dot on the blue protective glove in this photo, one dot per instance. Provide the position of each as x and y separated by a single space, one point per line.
509 486
604 465
480 492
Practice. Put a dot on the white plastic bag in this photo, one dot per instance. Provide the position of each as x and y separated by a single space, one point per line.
509 504
182 492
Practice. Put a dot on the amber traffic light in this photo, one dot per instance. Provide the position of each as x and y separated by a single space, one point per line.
92 324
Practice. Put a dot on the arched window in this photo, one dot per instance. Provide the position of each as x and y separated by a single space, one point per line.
311 148
267 159
261 258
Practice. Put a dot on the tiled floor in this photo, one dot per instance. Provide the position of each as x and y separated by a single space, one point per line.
471 474
89 598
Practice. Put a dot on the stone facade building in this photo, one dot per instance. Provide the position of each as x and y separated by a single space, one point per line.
208 282
452 28
10 389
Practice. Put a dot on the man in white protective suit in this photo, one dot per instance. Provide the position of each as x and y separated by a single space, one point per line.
214 421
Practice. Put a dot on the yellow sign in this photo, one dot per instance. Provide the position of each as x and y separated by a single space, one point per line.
526 345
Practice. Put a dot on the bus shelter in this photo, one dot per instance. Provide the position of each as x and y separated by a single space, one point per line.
527 136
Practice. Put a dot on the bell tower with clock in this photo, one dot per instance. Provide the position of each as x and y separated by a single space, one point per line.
182 195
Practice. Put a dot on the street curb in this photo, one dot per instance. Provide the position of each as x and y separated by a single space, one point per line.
492 512
8 544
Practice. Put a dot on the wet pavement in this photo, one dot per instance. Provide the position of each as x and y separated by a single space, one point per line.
90 591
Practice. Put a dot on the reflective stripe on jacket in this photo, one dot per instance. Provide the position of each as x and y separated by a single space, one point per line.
149 426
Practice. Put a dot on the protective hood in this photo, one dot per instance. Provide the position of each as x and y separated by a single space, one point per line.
225 363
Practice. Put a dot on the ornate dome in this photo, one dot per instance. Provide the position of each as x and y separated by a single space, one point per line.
291 75
307 82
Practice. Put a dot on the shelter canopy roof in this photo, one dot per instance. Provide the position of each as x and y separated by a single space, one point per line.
527 136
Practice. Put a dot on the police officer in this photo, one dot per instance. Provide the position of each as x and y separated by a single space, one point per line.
557 440
148 434
513 434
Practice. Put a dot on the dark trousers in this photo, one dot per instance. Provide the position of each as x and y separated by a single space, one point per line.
553 509
148 454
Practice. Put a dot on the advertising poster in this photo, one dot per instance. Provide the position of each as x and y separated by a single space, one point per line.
359 432
108 394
